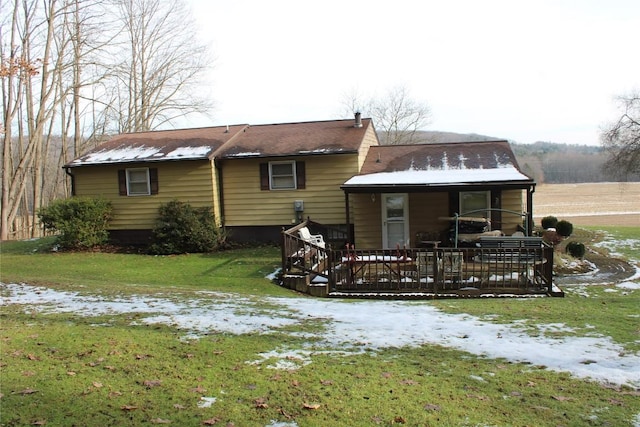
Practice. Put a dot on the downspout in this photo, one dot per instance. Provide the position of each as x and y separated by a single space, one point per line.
67 170
348 218
218 169
530 191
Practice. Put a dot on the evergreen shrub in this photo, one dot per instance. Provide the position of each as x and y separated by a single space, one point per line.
181 228
576 249
81 223
549 222
564 228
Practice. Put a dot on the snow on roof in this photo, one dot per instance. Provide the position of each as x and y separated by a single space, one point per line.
439 177
439 164
142 153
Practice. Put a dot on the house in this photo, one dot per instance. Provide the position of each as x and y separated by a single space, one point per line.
405 218
257 179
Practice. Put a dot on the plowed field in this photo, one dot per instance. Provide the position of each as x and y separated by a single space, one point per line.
616 204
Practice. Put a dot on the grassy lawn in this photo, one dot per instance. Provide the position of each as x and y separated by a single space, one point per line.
241 271
68 368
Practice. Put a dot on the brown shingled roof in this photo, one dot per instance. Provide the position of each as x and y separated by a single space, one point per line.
179 144
288 139
468 155
238 141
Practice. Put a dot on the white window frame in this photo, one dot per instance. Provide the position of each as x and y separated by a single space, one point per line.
130 181
292 175
487 212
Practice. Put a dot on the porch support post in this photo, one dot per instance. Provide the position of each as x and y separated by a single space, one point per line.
348 218
530 192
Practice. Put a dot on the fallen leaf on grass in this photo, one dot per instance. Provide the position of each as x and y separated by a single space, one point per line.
179 406
152 383
399 420
326 382
32 357
39 423
26 391
71 373
97 384
561 398
409 382
311 406
198 389
431 407
160 421
211 421
128 408
28 373
115 394
284 414
142 356
261 403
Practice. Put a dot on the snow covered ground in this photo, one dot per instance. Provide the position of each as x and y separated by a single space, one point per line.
350 327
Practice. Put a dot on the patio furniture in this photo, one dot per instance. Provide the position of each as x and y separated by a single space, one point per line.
315 239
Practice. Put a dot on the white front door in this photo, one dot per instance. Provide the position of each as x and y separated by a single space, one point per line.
395 220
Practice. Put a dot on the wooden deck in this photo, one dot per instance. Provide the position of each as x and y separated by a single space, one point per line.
417 273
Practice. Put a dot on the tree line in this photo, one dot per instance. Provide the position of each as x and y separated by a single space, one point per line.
74 71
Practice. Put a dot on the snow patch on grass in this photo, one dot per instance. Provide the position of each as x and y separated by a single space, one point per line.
348 326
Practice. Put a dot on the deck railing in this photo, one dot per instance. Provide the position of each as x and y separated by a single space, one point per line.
438 271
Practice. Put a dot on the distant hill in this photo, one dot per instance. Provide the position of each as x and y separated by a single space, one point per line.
546 162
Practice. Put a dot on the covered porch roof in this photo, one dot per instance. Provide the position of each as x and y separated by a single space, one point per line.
432 167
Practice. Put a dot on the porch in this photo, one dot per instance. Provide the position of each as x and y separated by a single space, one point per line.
313 266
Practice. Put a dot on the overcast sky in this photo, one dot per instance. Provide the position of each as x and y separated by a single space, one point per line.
525 71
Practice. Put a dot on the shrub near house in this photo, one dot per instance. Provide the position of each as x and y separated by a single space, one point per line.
81 222
182 228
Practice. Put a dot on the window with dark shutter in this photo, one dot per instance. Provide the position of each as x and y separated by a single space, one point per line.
138 181
285 175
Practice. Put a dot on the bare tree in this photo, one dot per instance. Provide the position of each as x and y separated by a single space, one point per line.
622 137
64 84
397 116
157 81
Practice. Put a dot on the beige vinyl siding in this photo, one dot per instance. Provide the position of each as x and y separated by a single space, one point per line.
245 204
425 213
367 220
512 200
370 138
187 181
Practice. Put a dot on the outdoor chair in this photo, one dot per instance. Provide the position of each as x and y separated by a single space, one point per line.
315 239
